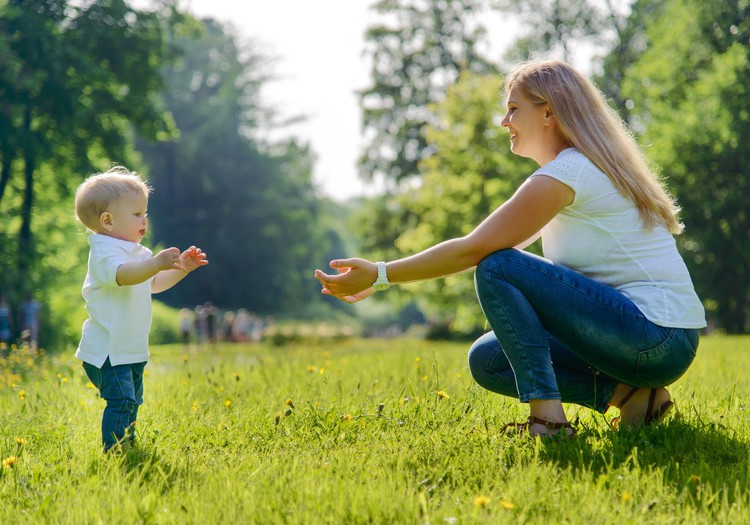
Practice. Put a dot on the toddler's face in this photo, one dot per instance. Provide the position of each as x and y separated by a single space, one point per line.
126 218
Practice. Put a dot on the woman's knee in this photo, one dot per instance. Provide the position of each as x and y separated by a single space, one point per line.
495 265
481 354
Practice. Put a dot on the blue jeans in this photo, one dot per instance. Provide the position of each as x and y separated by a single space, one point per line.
560 335
121 387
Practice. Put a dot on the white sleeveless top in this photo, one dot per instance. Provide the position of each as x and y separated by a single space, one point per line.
601 235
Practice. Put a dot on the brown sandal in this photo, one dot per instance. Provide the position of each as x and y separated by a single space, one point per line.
652 416
526 425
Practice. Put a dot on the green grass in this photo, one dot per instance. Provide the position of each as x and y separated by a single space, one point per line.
368 440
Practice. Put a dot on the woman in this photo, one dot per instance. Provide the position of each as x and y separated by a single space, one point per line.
609 316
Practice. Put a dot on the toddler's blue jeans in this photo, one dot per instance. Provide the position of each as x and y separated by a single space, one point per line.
121 387
560 335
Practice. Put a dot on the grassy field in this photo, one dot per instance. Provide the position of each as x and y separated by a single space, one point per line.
361 431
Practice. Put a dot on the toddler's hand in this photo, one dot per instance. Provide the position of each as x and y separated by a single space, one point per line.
168 259
192 258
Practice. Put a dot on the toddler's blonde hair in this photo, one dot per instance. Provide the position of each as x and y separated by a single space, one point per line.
99 191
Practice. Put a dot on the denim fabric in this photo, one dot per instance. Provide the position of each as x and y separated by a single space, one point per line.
121 387
560 335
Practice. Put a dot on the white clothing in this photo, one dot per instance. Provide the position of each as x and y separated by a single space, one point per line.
119 316
601 235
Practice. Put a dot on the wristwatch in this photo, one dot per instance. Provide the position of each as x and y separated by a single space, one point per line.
381 283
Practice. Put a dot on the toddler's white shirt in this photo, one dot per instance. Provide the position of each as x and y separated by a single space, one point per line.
119 316
602 236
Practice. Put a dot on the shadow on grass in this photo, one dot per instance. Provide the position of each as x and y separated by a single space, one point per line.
687 453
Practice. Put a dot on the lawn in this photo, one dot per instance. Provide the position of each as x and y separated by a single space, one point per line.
360 431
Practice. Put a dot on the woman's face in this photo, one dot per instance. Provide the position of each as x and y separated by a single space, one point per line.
529 126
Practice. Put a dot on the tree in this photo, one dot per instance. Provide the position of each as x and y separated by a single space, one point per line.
470 173
420 49
75 79
555 27
416 55
251 206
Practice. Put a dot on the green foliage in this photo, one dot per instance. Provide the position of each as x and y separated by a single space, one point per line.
357 432
417 51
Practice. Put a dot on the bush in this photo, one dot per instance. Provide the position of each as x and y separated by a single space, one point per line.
165 324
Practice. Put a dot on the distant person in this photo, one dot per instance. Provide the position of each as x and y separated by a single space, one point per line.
242 325
212 328
6 330
30 313
227 327
186 325
122 275
610 317
199 324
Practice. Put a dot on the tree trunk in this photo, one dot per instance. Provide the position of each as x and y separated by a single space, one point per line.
24 236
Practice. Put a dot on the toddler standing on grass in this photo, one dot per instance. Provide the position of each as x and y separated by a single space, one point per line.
121 277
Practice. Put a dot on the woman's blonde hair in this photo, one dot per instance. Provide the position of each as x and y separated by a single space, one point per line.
591 126
98 192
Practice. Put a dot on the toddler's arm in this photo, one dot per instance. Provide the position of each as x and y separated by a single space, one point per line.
189 260
132 273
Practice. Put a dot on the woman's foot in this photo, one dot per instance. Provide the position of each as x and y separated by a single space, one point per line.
548 419
640 406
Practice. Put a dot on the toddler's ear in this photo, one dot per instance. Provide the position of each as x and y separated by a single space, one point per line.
105 221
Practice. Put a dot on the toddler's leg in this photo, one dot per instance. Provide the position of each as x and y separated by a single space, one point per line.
137 370
117 388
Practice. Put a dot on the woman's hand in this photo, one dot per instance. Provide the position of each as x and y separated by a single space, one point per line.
352 283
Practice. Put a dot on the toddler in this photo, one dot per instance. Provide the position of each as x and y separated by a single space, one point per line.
122 275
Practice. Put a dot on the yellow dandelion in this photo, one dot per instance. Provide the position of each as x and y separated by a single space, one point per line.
20 441
311 368
625 497
507 505
64 380
90 385
442 394
59 376
481 501
425 378
418 359
82 403
146 373
346 417
289 402
10 462
322 371
195 406
22 394
227 403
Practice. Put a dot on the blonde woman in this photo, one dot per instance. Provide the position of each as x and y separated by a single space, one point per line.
610 315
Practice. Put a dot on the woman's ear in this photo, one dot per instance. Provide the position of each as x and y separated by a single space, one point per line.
105 221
